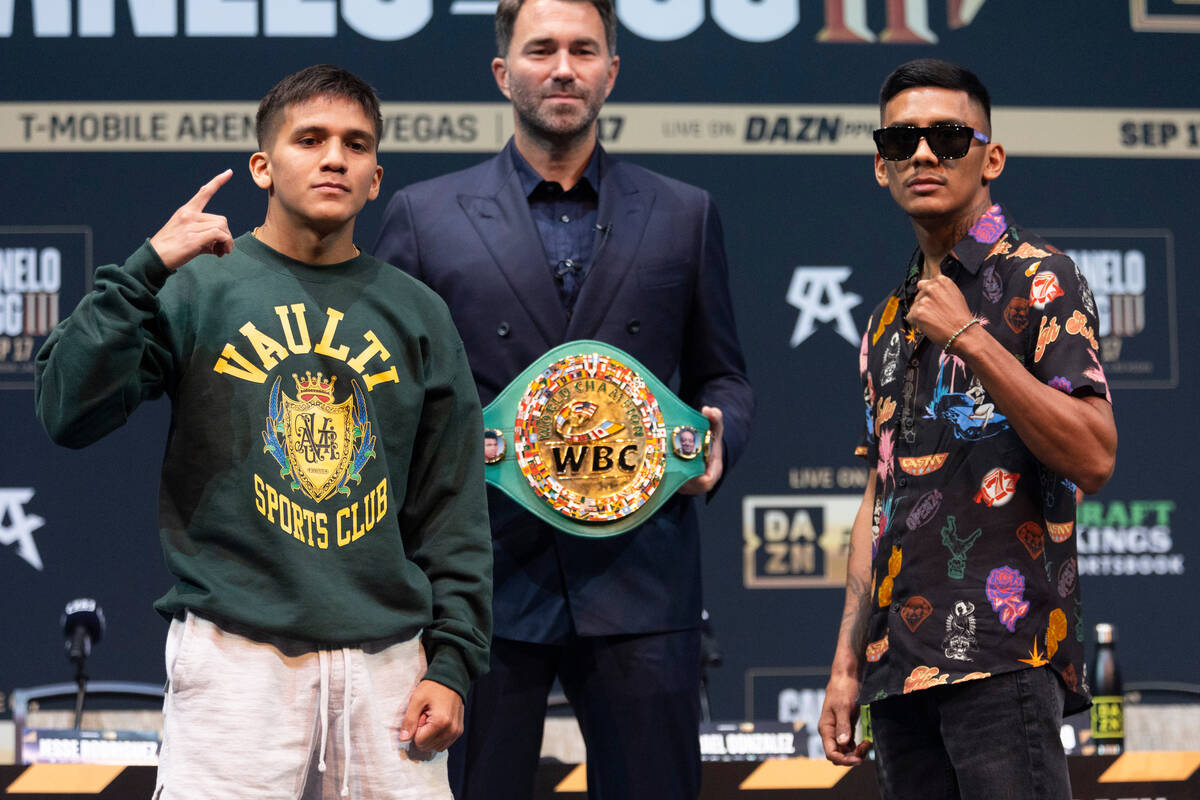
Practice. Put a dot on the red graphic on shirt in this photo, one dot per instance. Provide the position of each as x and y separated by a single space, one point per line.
998 487
916 610
1030 534
1043 289
1016 315
1070 678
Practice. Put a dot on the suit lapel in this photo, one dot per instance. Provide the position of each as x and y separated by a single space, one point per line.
624 208
500 215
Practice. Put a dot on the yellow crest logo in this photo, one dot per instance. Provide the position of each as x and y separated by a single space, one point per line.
320 444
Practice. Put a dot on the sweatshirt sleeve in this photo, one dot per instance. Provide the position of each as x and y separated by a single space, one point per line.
445 517
108 356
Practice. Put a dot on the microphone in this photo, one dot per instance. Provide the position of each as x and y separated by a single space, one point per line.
570 265
565 266
83 626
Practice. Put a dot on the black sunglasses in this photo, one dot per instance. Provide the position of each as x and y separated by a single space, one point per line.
946 141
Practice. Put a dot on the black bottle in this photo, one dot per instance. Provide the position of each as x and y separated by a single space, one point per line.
1108 709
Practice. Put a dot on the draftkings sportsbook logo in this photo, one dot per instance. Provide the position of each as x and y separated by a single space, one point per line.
1127 537
43 273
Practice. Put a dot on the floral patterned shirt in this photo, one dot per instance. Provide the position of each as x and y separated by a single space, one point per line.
974 560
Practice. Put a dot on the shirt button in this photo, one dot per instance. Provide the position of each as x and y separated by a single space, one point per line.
914 362
903 482
565 218
895 608
633 326
503 329
569 263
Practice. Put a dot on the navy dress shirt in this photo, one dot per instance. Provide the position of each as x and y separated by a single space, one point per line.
566 222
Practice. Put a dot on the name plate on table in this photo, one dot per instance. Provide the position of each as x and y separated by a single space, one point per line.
591 441
69 746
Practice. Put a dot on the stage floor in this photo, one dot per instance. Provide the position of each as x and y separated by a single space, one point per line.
1165 775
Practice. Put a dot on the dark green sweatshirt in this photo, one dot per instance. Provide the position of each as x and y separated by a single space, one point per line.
323 478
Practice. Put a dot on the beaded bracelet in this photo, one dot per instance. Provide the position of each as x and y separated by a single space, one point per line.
957 333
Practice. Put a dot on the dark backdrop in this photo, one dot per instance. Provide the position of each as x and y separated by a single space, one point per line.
1097 101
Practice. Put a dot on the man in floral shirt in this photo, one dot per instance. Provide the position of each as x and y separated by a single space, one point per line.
986 406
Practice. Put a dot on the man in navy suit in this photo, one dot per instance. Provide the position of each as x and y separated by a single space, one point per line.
550 241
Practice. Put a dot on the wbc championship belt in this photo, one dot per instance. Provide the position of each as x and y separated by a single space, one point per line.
590 440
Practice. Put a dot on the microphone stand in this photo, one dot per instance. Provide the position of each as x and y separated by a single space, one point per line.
81 680
83 625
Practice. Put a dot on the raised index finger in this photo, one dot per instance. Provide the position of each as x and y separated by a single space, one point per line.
201 198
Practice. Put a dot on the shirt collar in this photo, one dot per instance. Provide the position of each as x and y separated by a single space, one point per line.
970 252
973 249
531 180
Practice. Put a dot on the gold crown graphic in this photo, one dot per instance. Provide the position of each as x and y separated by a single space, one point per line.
310 388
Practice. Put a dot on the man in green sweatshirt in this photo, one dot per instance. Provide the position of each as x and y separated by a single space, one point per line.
322 504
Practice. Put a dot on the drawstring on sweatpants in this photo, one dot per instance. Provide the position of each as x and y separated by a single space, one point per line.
323 702
323 659
346 724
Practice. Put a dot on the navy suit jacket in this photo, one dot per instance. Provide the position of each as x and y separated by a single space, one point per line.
658 289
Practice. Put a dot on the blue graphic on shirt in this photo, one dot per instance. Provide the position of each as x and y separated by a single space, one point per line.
971 413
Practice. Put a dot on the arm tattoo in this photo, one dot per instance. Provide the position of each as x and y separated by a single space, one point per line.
858 601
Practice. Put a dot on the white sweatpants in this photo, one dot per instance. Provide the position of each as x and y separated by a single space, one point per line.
264 717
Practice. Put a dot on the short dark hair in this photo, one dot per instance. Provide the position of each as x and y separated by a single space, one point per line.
935 72
506 19
319 80
490 434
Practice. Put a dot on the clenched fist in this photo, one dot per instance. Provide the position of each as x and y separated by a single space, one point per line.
939 309
434 718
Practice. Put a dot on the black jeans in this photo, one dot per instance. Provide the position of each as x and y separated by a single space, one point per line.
995 738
